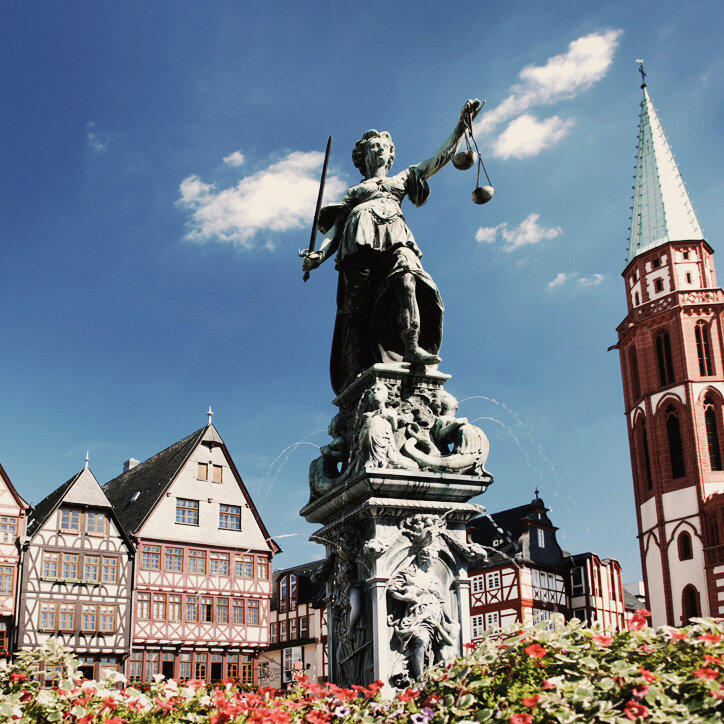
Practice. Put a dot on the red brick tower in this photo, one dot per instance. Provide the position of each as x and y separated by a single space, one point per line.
672 363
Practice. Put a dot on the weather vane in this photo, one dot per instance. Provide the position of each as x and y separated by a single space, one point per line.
640 61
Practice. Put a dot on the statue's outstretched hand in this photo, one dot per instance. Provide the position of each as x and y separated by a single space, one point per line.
470 110
310 259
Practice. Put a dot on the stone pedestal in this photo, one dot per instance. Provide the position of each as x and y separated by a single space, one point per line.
391 493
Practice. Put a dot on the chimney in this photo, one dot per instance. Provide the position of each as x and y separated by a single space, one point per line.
130 463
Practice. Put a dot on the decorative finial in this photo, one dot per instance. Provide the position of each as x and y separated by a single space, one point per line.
87 459
210 414
640 61
536 493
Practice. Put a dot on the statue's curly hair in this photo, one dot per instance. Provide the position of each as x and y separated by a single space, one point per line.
360 148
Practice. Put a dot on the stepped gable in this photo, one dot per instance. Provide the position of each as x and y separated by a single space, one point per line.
149 479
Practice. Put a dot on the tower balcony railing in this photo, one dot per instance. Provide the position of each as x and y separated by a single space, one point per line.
714 555
681 298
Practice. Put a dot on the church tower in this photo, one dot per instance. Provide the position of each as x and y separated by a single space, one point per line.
671 347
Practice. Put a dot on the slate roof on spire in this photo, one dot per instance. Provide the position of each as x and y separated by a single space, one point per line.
662 210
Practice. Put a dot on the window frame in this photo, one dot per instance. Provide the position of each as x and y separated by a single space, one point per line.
185 512
229 517
70 511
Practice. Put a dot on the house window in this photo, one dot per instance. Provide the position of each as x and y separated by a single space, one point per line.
634 372
685 255
676 450
245 566
688 277
684 545
135 664
107 618
262 568
8 528
48 615
67 617
197 562
292 628
174 607
70 520
202 662
644 443
541 538
291 662
690 604
492 620
174 559
303 627
159 606
656 262
51 561
92 569
578 587
703 349
273 633
232 666
6 579
664 359
637 299
110 569
712 433
219 564
246 669
238 610
493 580
70 566
151 665
230 517
283 630
144 605
187 511
222 610
151 558
184 666
203 471
477 583
192 608
283 588
217 474
95 523
292 591
207 609
253 613
89 617
658 285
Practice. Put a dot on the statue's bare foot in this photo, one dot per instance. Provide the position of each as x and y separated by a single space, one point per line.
418 356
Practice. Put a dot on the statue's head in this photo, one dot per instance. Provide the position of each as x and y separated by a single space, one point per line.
425 557
446 403
373 149
377 395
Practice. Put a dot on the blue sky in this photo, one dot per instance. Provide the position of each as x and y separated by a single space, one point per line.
159 168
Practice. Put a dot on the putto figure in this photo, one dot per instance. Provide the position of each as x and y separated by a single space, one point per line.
388 306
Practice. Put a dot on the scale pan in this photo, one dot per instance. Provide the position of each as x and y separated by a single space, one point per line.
483 194
464 160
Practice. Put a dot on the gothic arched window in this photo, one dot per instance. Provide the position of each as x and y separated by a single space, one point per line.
664 359
634 372
684 546
703 349
690 607
643 443
676 449
712 433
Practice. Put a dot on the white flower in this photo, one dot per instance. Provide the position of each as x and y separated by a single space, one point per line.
45 697
157 678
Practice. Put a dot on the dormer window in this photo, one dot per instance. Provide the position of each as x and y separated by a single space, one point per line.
70 520
96 523
541 538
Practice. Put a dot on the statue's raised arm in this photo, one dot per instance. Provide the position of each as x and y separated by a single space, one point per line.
445 153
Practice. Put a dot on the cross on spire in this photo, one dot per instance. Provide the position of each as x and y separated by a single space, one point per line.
87 459
210 414
640 61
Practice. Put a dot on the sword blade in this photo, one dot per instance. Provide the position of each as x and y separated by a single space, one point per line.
320 195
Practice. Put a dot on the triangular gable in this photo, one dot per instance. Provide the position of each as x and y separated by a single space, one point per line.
11 489
86 490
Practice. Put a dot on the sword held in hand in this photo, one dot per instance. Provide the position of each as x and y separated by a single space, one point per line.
313 237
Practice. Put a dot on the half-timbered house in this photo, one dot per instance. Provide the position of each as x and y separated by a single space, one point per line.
528 577
13 510
203 572
76 576
297 629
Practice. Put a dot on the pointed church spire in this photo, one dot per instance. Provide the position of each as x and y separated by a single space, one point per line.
662 210
87 459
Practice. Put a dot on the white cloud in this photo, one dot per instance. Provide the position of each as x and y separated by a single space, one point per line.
560 278
234 159
528 232
96 142
563 277
278 198
561 77
527 136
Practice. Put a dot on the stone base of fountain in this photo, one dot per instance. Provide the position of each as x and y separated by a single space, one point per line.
391 491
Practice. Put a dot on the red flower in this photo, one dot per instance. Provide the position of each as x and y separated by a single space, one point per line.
643 612
229 680
535 651
712 659
641 692
17 676
646 648
114 720
110 703
633 710
636 622
710 638
548 684
167 704
677 635
195 683
375 686
318 717
220 718
85 719
432 700
532 701
648 675
602 639
706 673
408 694
471 646
521 719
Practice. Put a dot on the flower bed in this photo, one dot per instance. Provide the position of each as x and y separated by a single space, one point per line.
570 673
